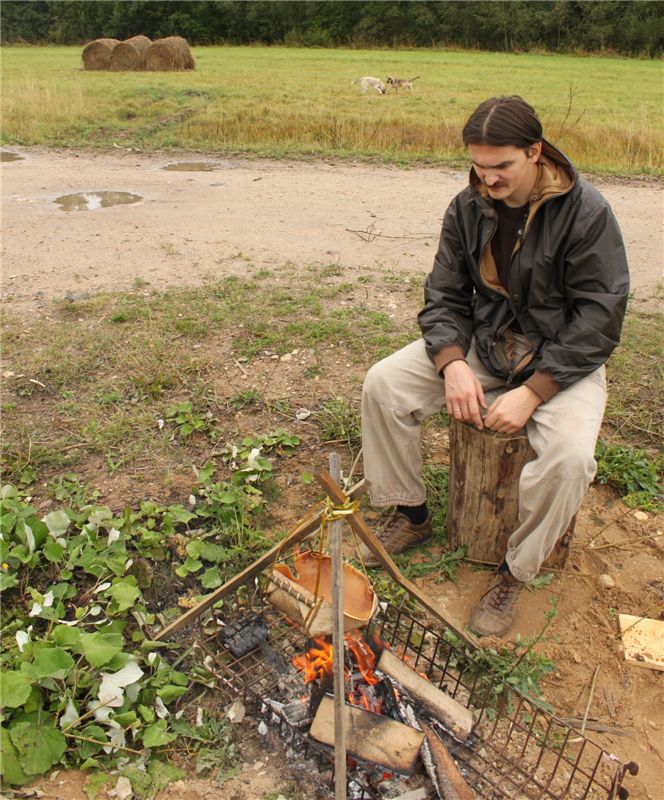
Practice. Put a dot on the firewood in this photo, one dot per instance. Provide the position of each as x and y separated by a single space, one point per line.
450 783
370 737
456 717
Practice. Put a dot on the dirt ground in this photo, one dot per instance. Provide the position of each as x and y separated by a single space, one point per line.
194 227
191 227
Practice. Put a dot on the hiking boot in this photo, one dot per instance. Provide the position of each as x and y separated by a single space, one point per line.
494 614
397 535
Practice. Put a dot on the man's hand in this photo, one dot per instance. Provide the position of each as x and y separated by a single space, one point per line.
510 412
463 393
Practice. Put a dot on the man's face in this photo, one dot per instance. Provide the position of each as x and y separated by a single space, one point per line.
509 173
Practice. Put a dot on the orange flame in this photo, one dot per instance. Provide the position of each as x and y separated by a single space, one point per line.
317 662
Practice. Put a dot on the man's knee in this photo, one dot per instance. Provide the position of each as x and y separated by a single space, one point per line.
570 459
377 381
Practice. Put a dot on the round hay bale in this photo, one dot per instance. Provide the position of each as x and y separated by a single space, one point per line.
97 54
128 55
169 54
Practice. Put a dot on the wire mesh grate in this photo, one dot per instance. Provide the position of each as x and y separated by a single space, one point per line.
517 749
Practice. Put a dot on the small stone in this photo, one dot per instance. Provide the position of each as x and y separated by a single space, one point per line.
606 581
577 658
641 516
286 357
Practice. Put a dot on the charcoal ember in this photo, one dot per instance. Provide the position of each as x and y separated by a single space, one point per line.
245 635
385 690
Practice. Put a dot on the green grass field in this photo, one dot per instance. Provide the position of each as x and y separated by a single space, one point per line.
299 102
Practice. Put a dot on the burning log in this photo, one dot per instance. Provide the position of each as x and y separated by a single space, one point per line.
370 737
456 717
449 782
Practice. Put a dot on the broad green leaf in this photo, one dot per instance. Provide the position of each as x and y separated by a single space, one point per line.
88 749
34 702
50 662
211 578
169 692
179 678
15 688
126 719
213 552
39 746
180 514
156 735
10 769
125 593
57 522
190 565
66 636
7 581
53 551
147 713
100 648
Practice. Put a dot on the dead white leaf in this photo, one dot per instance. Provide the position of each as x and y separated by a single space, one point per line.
111 692
122 790
236 712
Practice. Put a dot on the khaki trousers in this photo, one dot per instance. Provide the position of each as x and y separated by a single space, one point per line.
404 389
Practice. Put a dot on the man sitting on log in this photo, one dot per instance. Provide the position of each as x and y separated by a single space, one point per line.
526 301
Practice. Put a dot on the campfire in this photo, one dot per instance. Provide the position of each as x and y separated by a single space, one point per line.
414 706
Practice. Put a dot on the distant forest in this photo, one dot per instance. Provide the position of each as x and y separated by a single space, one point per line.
623 27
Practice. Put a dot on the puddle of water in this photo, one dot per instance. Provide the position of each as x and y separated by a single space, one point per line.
192 166
199 166
89 201
5 155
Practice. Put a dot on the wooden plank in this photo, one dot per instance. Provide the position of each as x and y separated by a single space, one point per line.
362 530
370 737
296 536
456 717
643 641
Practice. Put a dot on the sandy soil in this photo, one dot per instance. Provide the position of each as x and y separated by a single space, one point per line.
193 227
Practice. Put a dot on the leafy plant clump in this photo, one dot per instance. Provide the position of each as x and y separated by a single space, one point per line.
631 471
82 682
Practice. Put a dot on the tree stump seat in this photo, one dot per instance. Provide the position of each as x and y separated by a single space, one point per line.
483 495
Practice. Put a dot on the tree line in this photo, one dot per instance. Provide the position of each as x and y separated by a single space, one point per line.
624 27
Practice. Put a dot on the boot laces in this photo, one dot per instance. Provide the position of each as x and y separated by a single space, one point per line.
504 592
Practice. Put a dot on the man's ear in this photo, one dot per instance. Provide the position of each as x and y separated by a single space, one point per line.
534 151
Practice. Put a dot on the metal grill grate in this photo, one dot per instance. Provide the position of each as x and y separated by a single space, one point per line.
517 749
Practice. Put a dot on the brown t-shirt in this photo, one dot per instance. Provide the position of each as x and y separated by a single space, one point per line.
510 222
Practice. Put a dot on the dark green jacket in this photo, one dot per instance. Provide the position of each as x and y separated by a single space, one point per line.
568 283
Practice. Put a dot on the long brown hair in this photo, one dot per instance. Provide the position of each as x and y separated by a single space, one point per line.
503 121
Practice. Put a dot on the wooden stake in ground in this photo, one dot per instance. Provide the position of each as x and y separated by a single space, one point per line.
336 551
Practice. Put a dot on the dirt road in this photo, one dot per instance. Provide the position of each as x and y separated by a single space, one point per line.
190 227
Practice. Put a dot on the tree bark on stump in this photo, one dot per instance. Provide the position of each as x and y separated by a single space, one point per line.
483 495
